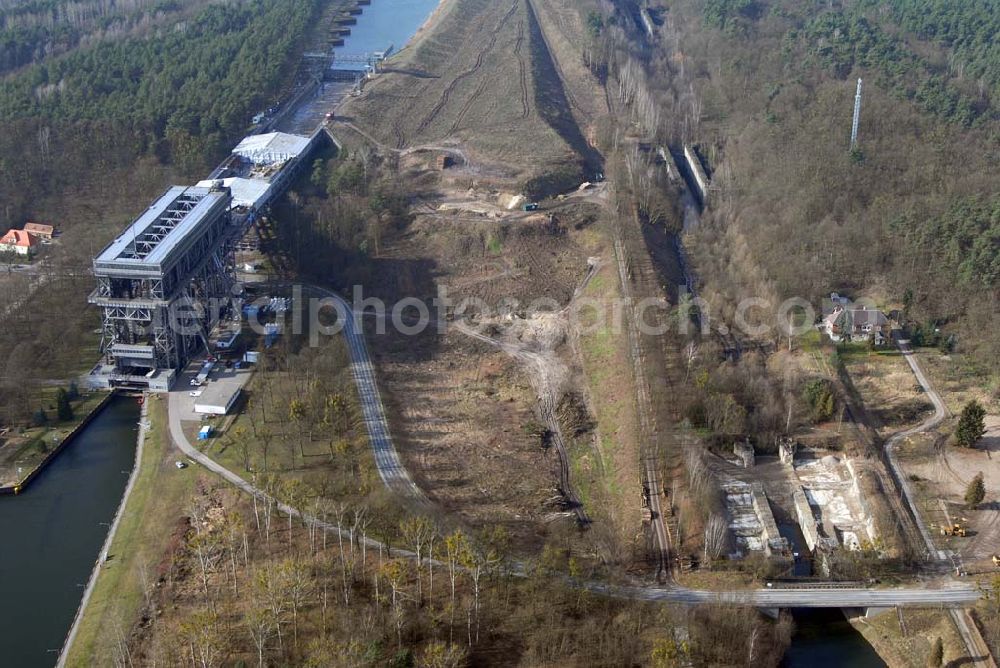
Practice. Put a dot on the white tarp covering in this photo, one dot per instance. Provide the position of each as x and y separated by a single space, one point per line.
271 148
245 192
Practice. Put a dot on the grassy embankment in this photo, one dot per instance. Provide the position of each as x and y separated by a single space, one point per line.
606 475
25 451
158 500
911 643
479 84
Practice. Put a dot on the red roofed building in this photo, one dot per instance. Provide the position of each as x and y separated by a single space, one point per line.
18 241
39 230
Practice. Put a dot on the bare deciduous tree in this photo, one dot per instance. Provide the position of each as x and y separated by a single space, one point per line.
716 532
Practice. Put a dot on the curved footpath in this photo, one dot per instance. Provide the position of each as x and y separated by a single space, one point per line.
395 477
940 412
390 467
780 598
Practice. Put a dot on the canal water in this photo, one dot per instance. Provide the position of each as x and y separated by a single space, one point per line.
51 534
382 24
824 639
800 550
386 23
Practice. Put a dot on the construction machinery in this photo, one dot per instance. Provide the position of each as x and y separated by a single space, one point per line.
953 530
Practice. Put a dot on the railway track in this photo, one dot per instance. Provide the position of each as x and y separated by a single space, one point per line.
976 646
396 478
652 482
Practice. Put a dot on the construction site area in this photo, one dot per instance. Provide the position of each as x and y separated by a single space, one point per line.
538 406
510 363
532 417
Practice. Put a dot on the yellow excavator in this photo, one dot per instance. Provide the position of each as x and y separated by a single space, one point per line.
953 530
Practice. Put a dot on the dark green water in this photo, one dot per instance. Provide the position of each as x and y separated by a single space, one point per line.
824 639
792 532
51 534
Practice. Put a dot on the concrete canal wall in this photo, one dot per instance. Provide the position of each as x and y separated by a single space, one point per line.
19 486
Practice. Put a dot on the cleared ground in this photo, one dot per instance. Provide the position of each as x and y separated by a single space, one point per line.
892 396
469 416
492 427
941 477
481 78
940 472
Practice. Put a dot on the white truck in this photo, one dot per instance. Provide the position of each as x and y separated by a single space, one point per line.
202 376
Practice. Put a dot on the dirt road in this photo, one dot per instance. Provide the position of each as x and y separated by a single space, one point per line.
973 640
940 412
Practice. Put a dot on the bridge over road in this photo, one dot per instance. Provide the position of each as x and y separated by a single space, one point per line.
948 596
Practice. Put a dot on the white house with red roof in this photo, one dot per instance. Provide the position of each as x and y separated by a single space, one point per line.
18 241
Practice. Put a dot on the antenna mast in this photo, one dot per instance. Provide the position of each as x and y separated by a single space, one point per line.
857 117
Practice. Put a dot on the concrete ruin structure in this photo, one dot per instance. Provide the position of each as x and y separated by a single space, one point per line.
751 520
744 453
786 450
831 489
774 543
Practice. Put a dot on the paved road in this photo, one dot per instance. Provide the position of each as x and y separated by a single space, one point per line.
955 596
184 445
951 596
390 466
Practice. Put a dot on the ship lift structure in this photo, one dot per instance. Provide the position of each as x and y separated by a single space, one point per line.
169 278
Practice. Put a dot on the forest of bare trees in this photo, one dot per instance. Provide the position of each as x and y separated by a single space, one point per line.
248 586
